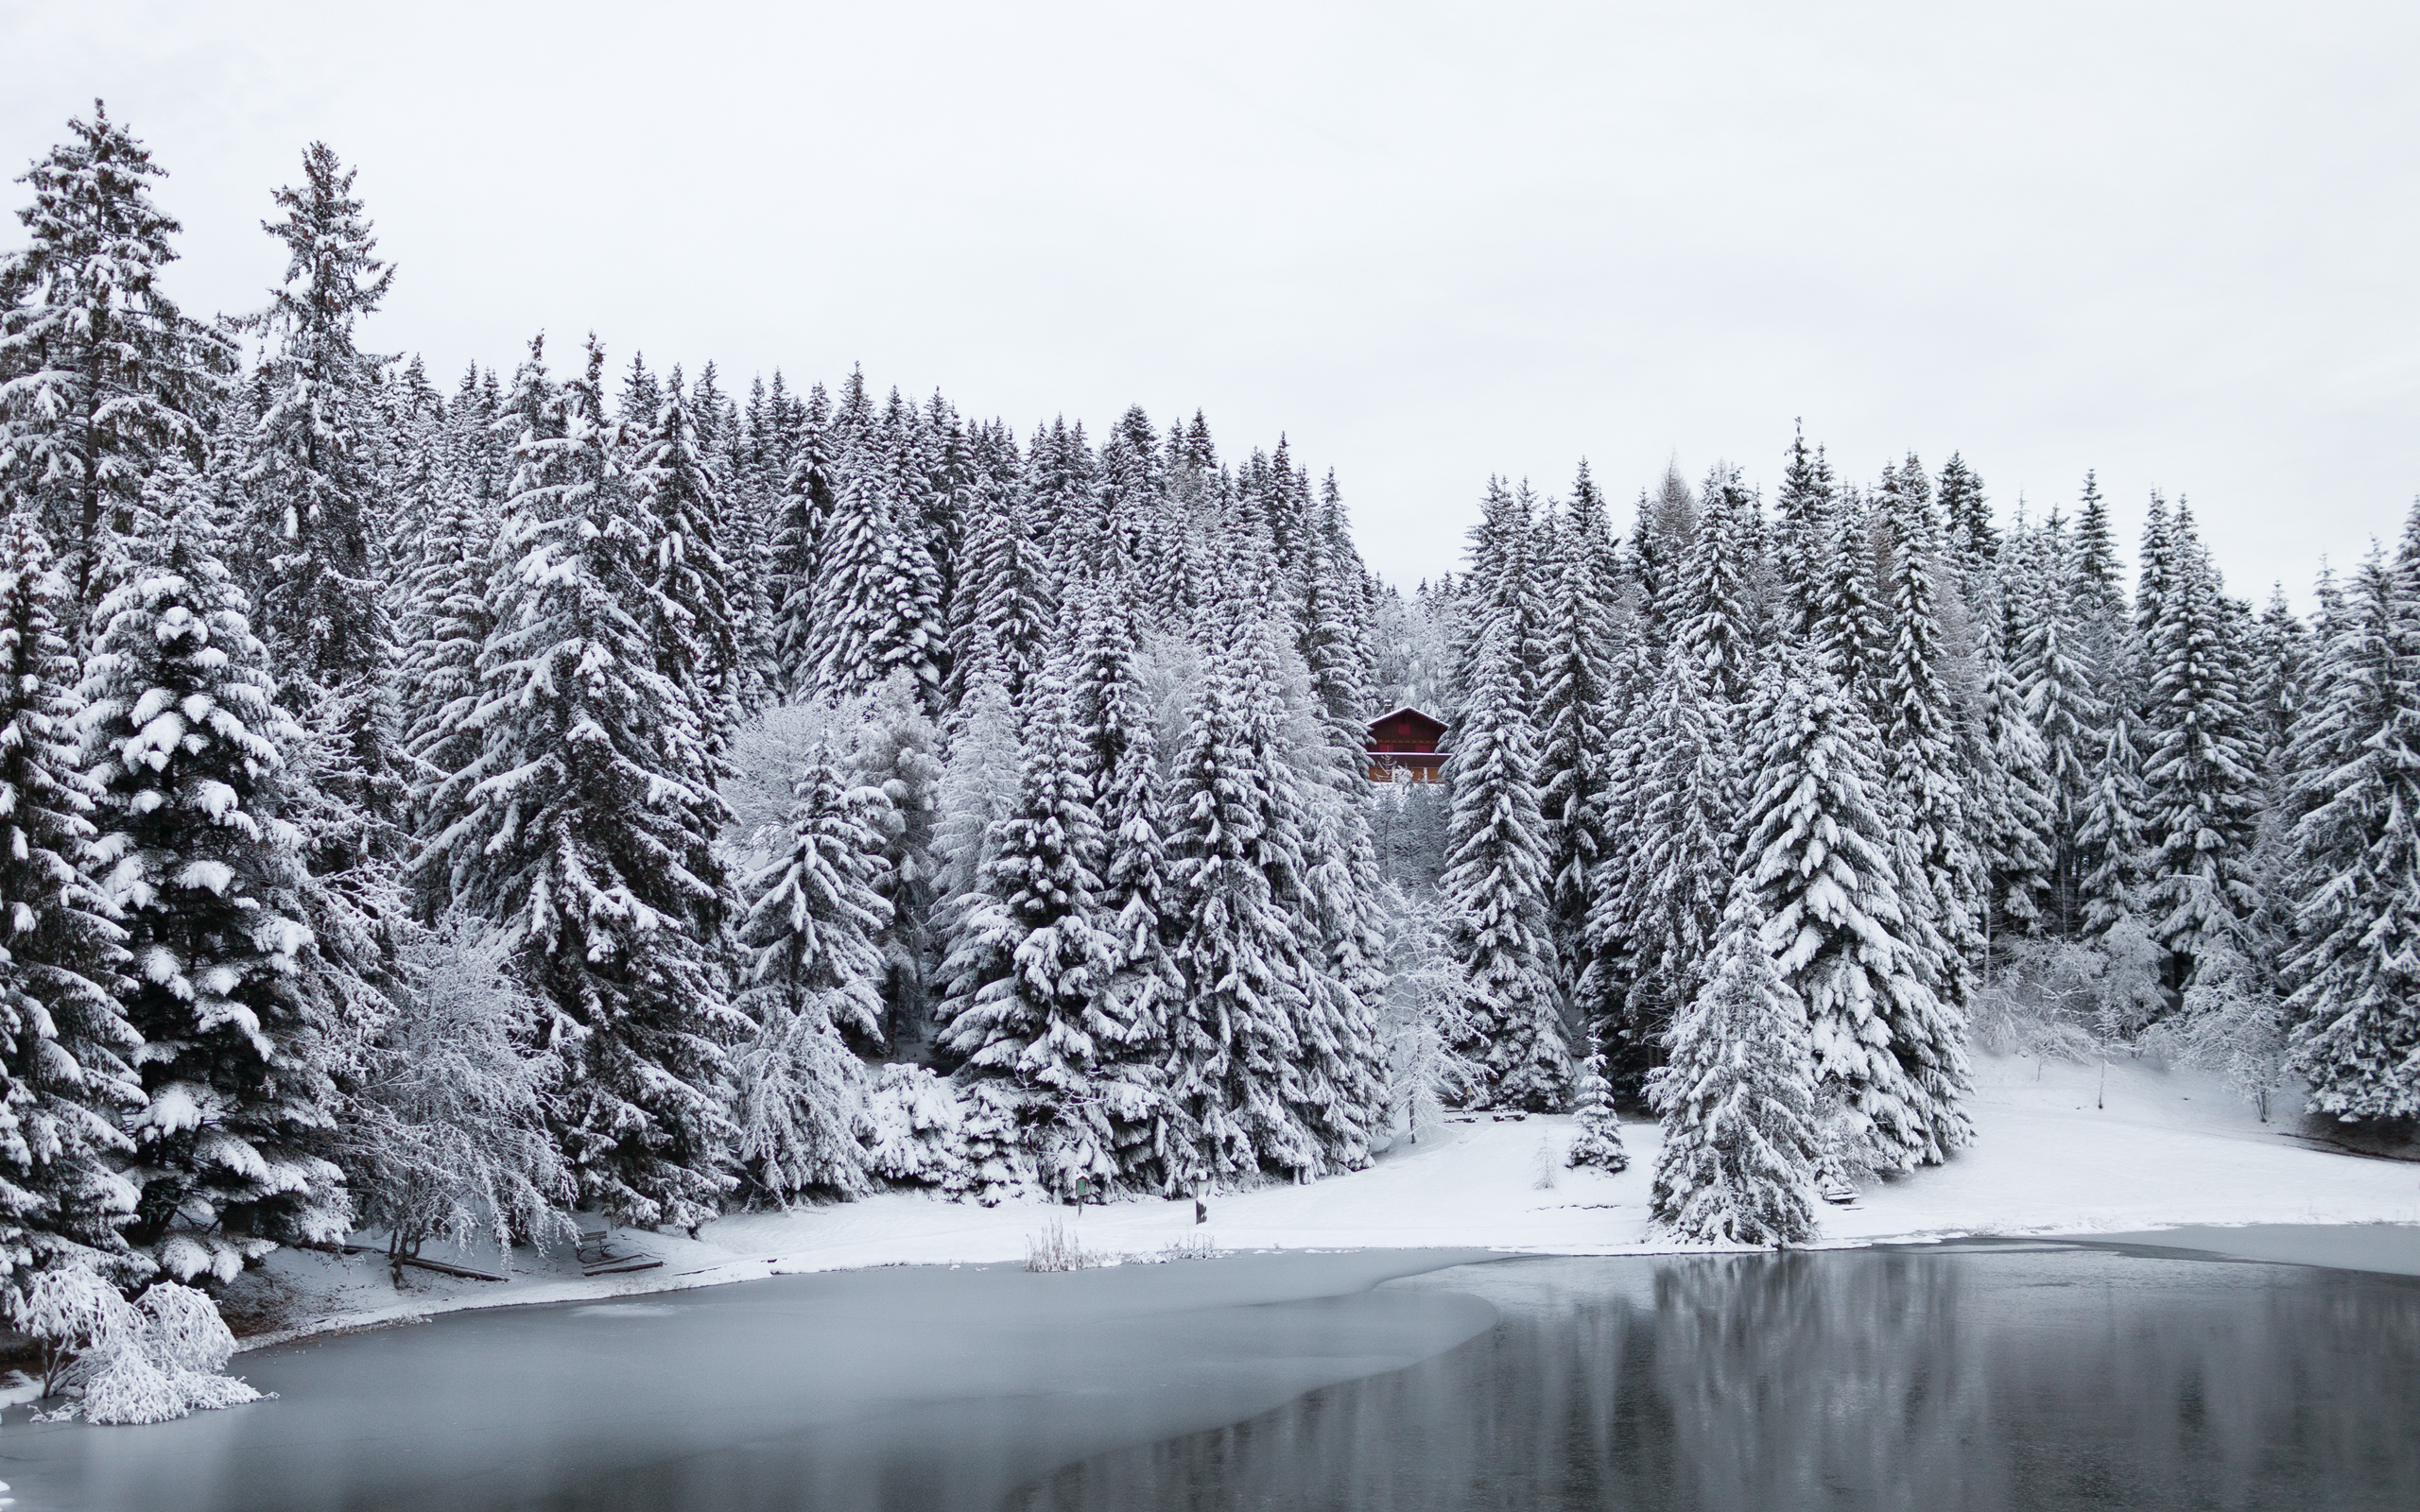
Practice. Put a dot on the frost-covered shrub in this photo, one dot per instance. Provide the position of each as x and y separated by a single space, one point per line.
142 1362
68 1312
1422 1018
2232 1023
2070 999
915 1129
446 1137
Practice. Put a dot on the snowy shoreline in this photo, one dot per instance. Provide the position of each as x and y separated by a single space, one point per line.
2163 1150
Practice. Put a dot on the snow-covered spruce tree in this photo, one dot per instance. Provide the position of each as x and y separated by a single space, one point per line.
1971 540
813 913
1849 637
2109 837
65 1048
181 734
2057 680
2201 776
895 754
1578 704
446 621
2355 858
1002 603
311 489
2018 821
1115 711
1606 991
697 640
1232 1106
101 373
1667 521
1504 589
2282 651
1599 1141
1716 626
877 601
1803 539
1341 1070
1495 879
444 1132
1942 876
1820 860
1738 1098
743 532
1683 856
1037 1017
587 823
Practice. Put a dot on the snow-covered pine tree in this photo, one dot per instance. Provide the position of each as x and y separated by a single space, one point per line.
1973 543
1578 708
2057 679
2282 651
313 496
2354 856
1667 521
2018 824
1715 626
896 754
1504 589
1682 855
2109 836
1037 1020
66 1077
1598 1141
697 640
1819 856
1604 1000
587 822
1341 1070
742 531
1003 604
1115 712
1497 881
1942 875
813 912
446 623
1741 1145
1802 538
2200 777
1849 638
181 733
103 374
803 498
1244 951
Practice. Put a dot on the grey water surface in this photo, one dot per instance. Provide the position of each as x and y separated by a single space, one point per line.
2018 1375
906 1387
1951 1377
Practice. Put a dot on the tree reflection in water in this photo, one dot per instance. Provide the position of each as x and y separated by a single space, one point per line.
2008 1378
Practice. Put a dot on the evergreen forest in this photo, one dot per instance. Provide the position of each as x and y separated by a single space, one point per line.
437 804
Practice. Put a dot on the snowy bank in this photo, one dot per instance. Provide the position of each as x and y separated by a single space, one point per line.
2058 1151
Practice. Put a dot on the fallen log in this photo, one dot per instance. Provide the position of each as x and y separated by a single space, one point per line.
441 1267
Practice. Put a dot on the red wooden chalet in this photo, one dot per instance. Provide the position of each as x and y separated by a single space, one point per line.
1403 747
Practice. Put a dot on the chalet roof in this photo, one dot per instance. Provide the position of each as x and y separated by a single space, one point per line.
1408 712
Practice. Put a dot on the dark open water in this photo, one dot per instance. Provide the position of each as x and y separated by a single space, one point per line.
1974 1377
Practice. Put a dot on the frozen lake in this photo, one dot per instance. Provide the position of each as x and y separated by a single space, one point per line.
1971 1376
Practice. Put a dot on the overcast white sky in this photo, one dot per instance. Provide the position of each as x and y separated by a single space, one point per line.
1429 242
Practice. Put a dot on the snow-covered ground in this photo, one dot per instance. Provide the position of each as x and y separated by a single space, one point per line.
2169 1148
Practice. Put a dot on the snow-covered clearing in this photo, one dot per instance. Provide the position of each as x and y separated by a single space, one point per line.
2168 1148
